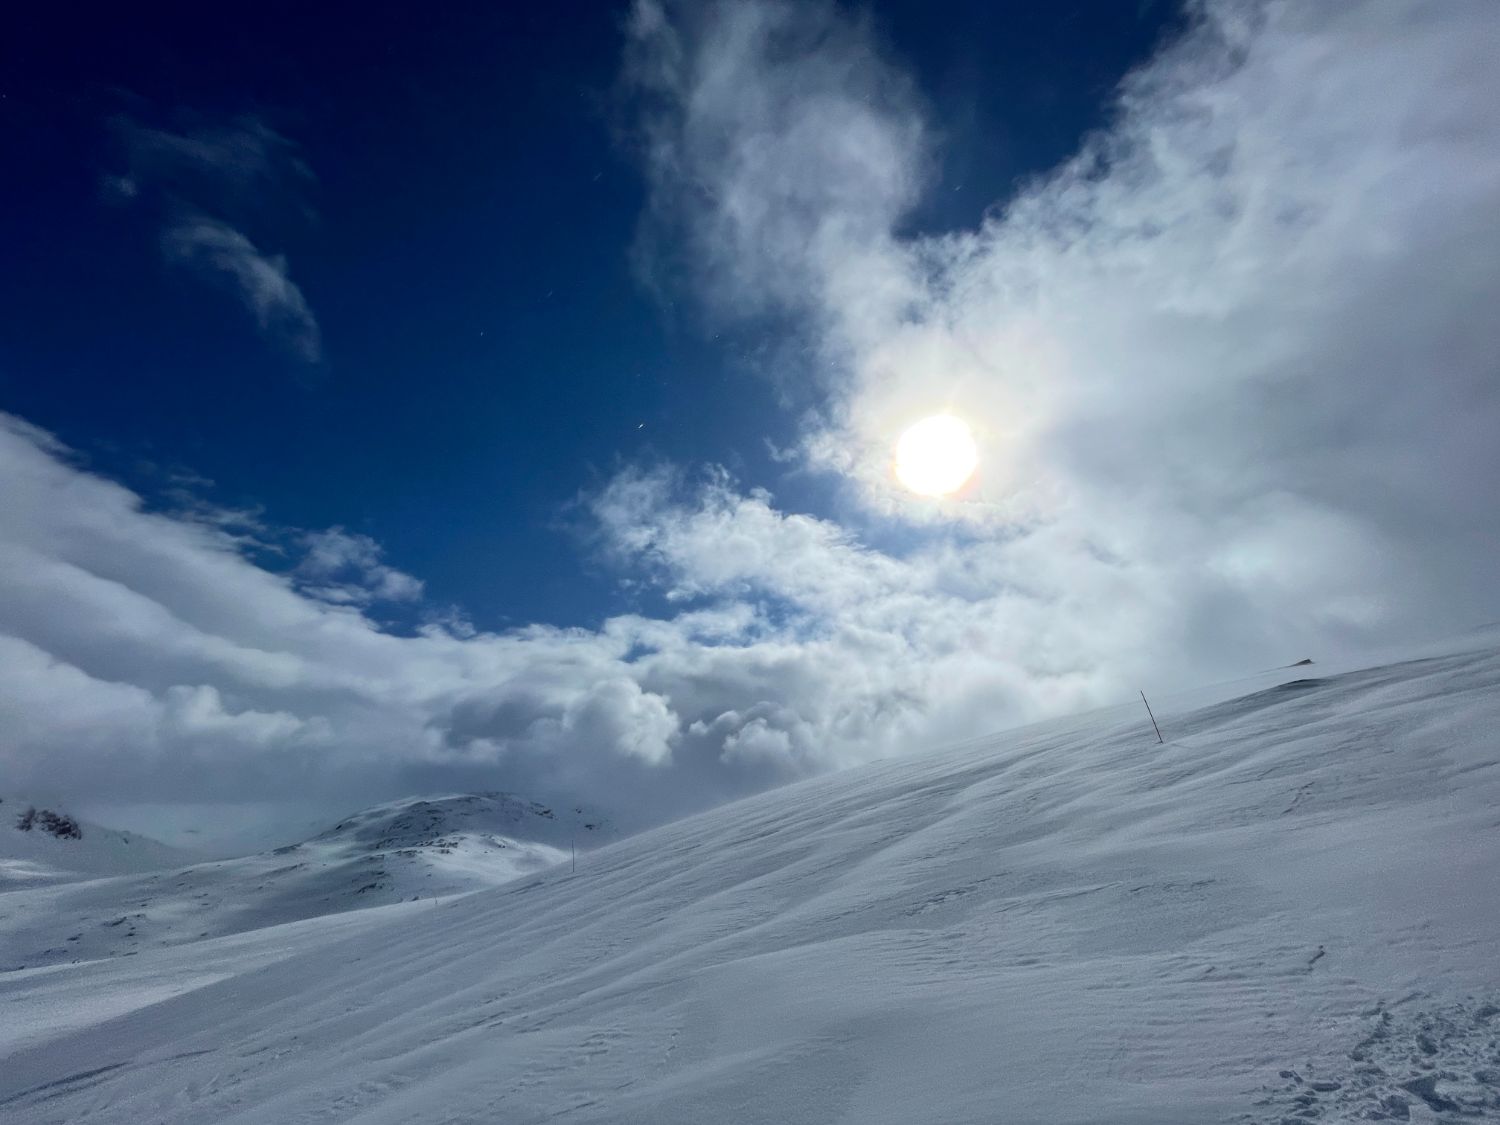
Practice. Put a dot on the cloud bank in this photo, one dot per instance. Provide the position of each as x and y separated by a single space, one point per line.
1233 369
150 658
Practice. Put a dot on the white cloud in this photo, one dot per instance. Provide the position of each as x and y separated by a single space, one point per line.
778 140
1233 360
346 568
261 280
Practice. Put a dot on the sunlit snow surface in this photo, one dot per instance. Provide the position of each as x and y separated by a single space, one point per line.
1289 911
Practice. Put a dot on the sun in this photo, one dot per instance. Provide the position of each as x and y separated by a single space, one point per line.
936 456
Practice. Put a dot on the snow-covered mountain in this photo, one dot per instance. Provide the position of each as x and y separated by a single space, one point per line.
422 848
1286 912
425 822
42 845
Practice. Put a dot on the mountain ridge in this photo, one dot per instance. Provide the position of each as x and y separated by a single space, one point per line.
420 847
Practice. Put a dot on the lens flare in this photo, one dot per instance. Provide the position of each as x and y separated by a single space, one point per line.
936 456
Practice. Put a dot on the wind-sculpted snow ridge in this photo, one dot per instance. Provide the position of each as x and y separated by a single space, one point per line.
1286 912
419 848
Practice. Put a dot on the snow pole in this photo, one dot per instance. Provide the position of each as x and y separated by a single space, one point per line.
1154 727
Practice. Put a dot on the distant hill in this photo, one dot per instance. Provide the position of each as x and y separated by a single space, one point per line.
421 822
415 848
41 845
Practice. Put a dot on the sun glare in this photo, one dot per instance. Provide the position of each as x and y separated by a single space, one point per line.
936 456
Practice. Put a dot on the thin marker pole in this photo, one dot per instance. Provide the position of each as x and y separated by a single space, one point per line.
1154 727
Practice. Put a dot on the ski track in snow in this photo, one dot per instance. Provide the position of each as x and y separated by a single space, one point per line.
1286 913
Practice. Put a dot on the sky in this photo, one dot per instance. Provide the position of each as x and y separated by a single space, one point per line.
486 398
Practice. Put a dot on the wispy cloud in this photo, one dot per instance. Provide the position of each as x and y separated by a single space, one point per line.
273 299
207 185
779 142
346 568
242 167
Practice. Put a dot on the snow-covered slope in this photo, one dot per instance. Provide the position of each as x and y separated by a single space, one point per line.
415 848
41 845
1289 911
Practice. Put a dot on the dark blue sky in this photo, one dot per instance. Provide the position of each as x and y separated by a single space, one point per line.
464 243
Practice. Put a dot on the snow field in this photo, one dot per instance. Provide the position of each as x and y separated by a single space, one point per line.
1287 912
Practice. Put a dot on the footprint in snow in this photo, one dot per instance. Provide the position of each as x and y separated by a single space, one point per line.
1441 1064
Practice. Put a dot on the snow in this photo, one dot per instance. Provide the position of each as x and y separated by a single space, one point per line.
42 1003
422 848
37 857
1288 911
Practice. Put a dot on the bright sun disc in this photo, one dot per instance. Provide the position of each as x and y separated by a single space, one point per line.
936 456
